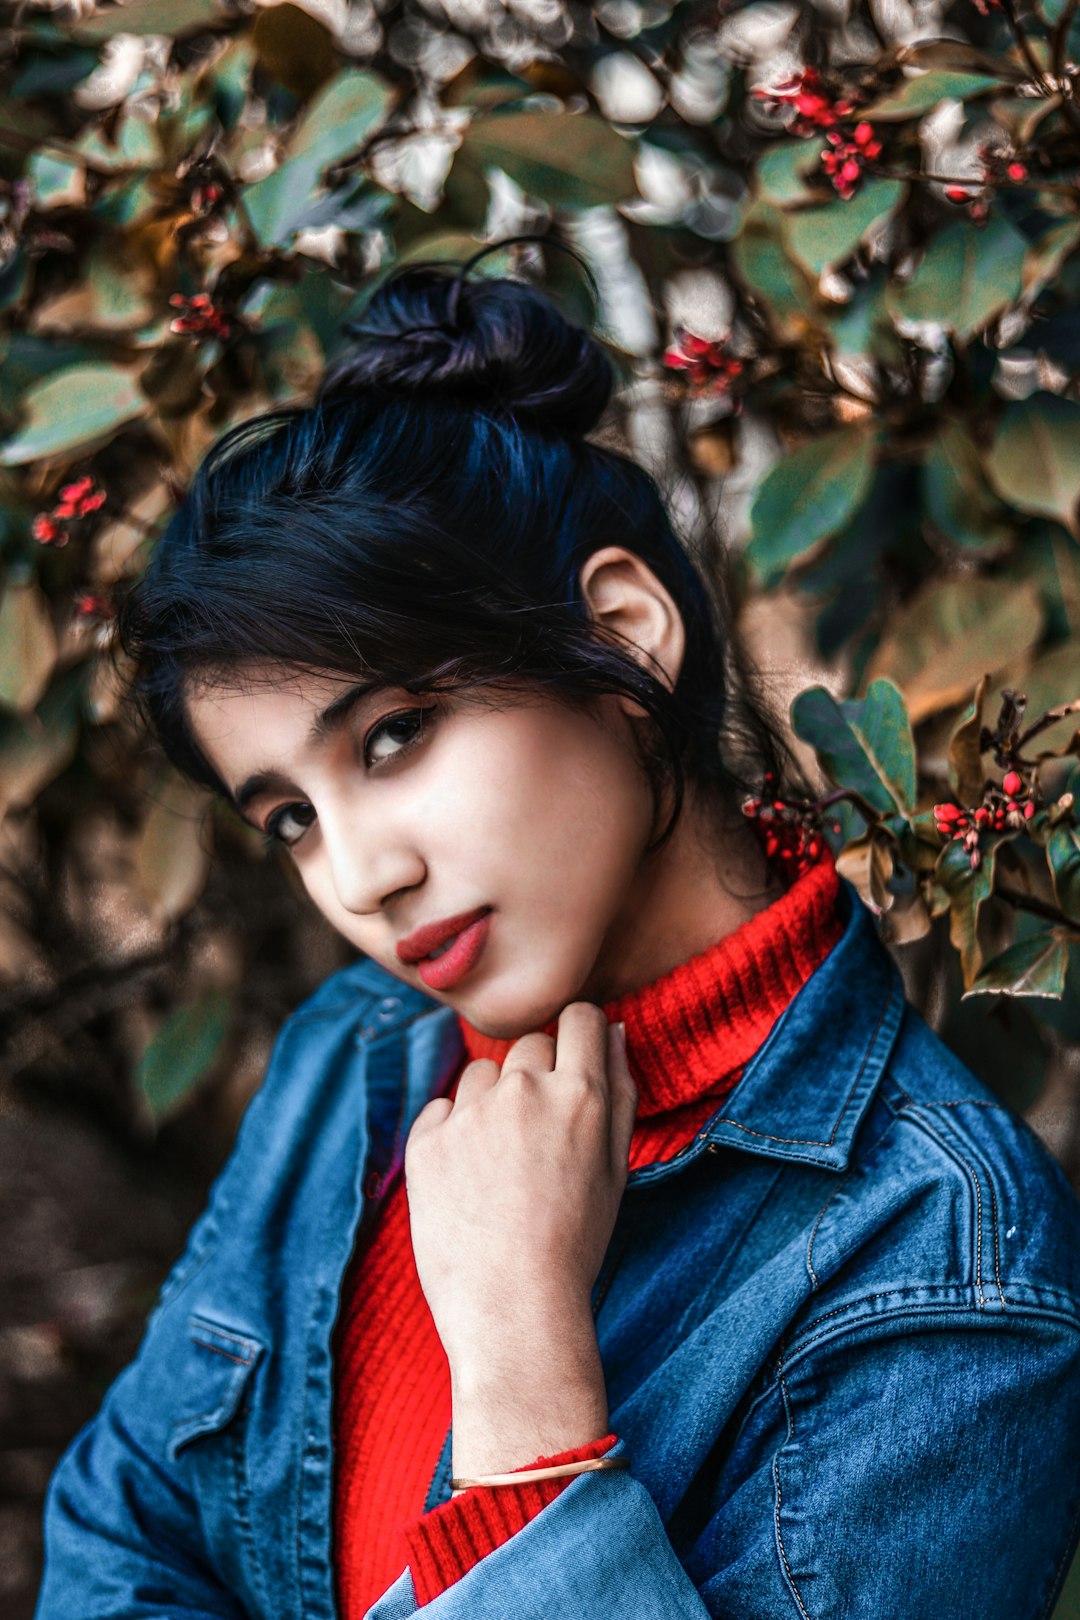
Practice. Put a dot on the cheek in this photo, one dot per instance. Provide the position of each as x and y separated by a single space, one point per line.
559 798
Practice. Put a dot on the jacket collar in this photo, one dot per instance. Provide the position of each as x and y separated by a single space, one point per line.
835 1036
801 1097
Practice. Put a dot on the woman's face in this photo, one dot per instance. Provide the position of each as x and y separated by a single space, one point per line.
401 810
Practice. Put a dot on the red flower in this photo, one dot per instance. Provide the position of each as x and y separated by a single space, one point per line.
709 368
845 161
205 198
92 605
79 499
47 532
76 500
815 108
201 317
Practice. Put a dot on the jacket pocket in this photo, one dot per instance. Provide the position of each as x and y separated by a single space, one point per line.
218 1361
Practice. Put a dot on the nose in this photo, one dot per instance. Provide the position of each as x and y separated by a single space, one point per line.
368 861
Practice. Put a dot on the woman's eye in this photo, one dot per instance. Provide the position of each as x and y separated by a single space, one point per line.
289 824
402 731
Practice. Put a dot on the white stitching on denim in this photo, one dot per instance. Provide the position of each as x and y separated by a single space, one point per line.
779 1494
912 1110
813 1233
812 1141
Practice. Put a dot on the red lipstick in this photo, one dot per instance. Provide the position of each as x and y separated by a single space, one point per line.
468 930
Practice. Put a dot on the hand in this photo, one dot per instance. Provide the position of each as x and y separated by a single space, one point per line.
513 1190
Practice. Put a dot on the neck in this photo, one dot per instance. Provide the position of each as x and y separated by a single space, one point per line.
709 879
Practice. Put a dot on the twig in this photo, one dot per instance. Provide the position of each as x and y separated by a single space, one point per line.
1037 907
1051 717
1065 187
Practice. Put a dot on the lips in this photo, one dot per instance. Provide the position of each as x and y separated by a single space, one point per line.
427 939
441 972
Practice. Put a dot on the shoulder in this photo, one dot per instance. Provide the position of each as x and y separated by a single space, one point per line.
297 1124
950 1204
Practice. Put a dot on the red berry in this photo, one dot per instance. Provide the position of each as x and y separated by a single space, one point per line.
1012 783
947 812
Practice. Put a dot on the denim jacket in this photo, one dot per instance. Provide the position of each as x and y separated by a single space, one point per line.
840 1333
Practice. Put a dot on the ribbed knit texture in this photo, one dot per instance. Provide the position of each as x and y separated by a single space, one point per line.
690 1034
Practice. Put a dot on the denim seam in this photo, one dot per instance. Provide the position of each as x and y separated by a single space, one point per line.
195 1322
242 1487
886 1293
795 1348
911 1109
778 1505
913 1112
813 1141
916 1311
814 1231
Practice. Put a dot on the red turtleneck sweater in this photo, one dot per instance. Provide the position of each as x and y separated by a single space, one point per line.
689 1035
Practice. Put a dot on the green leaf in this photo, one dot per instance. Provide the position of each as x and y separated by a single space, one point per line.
1045 257
182 1052
1034 966
967 275
922 94
34 749
73 408
169 17
863 744
953 632
808 496
966 771
57 181
863 326
1035 460
571 160
136 144
966 890
1063 857
760 259
955 492
1053 679
27 645
830 234
338 121
780 174
172 856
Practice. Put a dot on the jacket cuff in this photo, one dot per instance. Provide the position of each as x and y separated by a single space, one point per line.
445 1543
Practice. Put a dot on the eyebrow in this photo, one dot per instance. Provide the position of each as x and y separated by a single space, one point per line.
326 723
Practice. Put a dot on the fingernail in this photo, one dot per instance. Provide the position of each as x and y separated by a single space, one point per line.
622 1034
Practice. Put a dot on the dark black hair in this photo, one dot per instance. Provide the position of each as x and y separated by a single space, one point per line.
423 523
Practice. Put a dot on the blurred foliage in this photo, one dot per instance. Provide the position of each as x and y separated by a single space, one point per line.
837 254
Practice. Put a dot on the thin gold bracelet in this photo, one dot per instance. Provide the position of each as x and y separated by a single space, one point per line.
526 1475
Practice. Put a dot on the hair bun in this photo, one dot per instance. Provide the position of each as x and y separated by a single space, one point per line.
490 343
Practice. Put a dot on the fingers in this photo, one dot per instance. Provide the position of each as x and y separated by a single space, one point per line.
582 1041
534 1052
477 1076
624 1096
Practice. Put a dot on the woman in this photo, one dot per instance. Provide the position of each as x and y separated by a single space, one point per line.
617 1157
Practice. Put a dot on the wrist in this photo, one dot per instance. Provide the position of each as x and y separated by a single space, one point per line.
500 1425
553 1346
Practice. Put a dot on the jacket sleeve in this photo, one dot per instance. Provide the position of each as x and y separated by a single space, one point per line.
445 1543
918 1464
122 1538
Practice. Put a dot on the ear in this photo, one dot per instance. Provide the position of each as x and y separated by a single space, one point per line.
624 595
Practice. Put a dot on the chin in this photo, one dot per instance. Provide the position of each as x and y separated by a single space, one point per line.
506 1022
